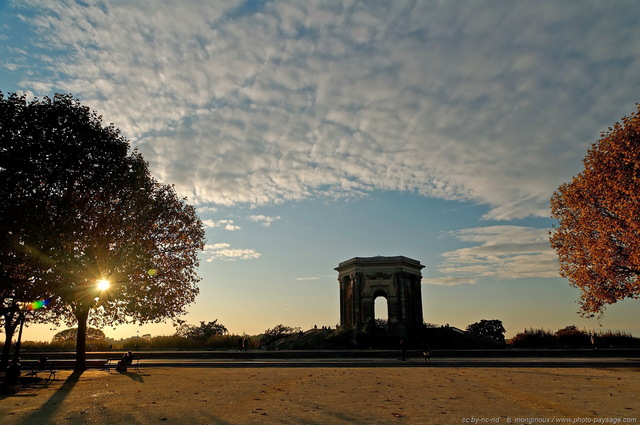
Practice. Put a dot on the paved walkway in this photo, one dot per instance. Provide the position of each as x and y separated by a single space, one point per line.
390 362
365 358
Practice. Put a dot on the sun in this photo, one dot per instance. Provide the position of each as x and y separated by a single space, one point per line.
103 284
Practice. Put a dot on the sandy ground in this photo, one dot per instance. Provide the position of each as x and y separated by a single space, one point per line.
376 395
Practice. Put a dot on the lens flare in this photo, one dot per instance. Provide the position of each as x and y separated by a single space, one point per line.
103 284
152 272
37 305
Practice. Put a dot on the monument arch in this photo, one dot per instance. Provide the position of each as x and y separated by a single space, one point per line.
380 305
363 279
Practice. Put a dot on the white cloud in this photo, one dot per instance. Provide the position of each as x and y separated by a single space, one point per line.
264 220
493 103
216 246
202 209
448 281
224 252
506 252
225 224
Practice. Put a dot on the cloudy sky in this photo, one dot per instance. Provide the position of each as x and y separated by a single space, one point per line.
308 133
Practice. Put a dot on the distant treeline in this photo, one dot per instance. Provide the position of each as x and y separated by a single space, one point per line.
171 342
204 336
189 338
571 337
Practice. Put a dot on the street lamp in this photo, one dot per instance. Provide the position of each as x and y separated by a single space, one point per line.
137 335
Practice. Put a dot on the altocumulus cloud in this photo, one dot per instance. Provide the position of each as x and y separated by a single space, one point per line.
225 224
506 252
264 220
485 101
225 252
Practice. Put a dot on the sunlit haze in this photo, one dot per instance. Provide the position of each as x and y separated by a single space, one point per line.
309 133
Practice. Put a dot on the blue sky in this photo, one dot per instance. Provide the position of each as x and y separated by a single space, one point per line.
308 133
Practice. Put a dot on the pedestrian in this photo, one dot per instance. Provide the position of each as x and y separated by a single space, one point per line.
426 352
404 349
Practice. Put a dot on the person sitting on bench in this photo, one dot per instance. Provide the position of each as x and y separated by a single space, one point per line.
126 361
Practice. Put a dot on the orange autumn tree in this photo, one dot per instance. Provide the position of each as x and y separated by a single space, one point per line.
598 235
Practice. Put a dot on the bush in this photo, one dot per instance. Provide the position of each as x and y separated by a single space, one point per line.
616 339
571 337
534 338
341 338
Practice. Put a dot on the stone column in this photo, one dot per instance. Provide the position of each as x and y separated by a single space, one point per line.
402 296
417 296
342 302
357 299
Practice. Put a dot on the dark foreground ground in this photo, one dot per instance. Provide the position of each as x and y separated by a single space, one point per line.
348 387
378 394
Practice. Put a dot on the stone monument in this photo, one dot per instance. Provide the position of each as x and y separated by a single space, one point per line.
398 279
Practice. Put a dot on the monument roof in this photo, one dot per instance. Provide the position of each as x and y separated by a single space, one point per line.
398 260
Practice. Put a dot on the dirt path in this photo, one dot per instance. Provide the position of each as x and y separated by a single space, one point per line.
329 395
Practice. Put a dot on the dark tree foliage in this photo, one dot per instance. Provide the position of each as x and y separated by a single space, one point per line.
80 206
573 337
490 328
202 332
598 235
534 338
278 332
21 223
72 334
375 325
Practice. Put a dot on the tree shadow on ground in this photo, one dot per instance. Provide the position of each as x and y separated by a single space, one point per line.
27 387
138 377
48 408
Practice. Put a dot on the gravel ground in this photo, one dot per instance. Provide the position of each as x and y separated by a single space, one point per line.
319 395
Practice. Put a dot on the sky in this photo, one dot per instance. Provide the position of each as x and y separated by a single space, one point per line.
309 133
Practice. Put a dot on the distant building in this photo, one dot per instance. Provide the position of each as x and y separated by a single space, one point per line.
398 279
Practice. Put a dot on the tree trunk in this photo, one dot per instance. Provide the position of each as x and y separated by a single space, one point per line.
9 331
6 350
82 314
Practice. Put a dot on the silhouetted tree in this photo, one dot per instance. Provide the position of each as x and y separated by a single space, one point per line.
72 334
598 236
101 216
22 223
490 328
202 332
278 332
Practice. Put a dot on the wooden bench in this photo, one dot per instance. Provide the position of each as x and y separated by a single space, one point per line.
113 363
37 368
31 369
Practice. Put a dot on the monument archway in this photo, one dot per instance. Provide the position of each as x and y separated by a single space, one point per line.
363 279
380 305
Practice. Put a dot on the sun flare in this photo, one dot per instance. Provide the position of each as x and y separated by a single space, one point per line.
103 284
